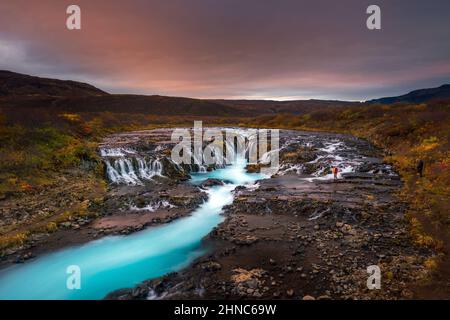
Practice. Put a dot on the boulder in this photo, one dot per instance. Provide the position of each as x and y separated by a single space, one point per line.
211 182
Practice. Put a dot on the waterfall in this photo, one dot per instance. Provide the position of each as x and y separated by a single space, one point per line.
198 160
267 157
132 170
130 166
112 173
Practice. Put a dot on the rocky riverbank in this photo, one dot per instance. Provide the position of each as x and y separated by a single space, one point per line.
302 235
81 208
297 235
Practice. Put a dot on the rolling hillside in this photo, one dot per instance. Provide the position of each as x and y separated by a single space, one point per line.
18 92
15 84
418 96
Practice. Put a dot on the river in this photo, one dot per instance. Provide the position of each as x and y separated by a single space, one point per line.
116 262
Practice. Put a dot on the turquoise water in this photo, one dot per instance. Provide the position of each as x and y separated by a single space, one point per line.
123 261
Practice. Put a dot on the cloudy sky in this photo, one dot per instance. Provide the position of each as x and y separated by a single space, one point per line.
272 49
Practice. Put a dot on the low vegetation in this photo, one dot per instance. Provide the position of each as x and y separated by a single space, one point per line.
37 148
407 133
48 155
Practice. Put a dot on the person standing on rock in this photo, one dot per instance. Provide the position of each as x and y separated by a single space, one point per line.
420 166
335 171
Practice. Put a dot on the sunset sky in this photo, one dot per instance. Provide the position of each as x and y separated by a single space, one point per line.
272 49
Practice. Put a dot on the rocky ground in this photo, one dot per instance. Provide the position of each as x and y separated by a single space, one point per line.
27 220
298 235
80 208
121 211
301 235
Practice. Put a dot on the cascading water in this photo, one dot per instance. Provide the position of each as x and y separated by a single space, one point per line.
116 262
132 171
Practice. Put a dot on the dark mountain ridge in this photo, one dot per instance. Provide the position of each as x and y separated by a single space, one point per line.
19 92
16 84
418 96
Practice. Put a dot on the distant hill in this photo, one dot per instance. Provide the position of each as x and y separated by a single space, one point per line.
290 106
19 92
418 96
157 105
16 84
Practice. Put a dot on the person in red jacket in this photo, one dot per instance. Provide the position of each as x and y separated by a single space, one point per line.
335 171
